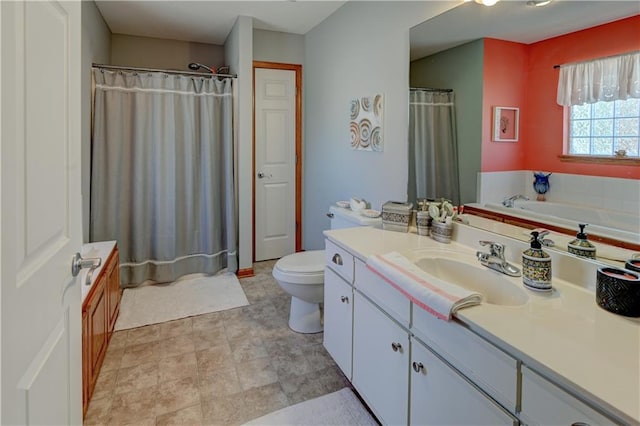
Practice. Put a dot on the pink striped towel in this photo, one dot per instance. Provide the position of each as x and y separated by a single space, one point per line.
437 297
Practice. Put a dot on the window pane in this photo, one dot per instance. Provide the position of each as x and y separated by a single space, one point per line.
581 111
580 128
628 108
602 146
579 146
627 127
603 127
629 144
603 110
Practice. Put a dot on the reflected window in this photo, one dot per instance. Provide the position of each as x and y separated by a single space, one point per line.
605 128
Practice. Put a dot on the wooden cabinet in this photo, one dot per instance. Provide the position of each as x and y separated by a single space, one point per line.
338 321
440 395
113 292
99 313
380 362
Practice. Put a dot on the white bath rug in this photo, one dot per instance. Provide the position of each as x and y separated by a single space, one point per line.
191 295
338 408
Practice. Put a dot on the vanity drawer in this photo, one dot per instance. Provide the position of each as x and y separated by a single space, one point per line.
340 260
544 403
382 293
490 368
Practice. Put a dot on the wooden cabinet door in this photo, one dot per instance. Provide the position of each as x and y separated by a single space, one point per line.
338 302
439 395
113 288
86 364
380 362
98 323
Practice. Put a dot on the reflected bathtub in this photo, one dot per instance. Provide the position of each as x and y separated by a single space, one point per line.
606 223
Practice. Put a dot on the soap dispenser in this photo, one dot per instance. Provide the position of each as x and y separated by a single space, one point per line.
581 246
536 266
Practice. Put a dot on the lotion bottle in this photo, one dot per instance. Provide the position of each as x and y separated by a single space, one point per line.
581 246
536 266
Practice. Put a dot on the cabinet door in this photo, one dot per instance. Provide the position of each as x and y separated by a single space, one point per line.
113 289
543 403
86 370
440 396
380 362
97 317
338 302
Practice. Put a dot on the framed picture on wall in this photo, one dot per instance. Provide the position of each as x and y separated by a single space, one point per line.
506 124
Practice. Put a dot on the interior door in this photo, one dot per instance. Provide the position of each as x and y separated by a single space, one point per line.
275 159
40 219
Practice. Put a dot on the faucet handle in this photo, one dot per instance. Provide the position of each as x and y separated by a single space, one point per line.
496 249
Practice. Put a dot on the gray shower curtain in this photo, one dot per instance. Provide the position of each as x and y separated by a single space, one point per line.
433 150
162 175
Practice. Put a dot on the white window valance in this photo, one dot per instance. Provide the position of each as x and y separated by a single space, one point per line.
606 79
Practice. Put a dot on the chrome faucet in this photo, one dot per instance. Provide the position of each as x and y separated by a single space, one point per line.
495 259
508 202
547 242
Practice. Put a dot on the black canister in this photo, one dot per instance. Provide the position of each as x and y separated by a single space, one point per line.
618 291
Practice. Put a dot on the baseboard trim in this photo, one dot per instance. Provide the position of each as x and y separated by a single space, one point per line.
245 273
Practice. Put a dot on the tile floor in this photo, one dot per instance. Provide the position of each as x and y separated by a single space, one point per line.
222 368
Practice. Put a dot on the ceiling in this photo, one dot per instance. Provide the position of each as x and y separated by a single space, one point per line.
513 21
211 21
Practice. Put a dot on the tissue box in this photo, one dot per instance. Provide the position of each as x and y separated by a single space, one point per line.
396 216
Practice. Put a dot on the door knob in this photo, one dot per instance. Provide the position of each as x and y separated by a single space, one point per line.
263 175
78 263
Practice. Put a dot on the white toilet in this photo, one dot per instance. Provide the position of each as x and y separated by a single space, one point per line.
302 275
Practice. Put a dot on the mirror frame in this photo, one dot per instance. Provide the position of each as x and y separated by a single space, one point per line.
532 224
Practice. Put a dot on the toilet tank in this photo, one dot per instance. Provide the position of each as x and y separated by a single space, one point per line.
346 218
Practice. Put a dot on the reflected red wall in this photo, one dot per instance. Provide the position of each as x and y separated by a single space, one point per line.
530 81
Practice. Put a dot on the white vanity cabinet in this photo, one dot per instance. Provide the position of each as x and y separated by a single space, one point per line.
381 360
440 395
543 403
338 319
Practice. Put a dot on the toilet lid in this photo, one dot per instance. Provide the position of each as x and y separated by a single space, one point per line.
304 262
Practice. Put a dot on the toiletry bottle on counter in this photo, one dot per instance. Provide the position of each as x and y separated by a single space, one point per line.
581 246
536 266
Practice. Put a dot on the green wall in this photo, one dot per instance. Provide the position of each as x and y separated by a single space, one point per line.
460 69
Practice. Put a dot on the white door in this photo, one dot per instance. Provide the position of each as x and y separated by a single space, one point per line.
275 151
40 219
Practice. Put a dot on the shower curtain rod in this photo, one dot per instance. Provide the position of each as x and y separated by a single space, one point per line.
428 89
198 74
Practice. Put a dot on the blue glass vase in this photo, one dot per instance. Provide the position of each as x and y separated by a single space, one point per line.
541 184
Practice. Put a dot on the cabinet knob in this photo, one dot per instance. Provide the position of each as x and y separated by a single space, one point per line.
337 259
579 424
396 347
418 366
344 299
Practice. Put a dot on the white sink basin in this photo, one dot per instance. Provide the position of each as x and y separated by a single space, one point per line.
465 271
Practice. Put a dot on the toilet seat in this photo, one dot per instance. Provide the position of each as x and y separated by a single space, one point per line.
306 267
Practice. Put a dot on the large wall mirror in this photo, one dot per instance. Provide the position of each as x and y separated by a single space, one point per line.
447 66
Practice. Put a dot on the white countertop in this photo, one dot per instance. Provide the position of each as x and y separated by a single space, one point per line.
101 249
564 335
